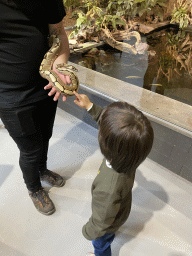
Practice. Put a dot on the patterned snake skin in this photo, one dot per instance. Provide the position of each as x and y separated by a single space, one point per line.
46 71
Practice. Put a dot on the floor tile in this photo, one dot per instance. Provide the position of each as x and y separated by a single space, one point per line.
160 222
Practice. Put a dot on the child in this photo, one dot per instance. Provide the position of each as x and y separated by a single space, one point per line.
125 139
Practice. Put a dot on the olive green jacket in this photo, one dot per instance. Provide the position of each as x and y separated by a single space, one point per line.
111 197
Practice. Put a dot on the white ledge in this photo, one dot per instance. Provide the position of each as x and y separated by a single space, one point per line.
169 112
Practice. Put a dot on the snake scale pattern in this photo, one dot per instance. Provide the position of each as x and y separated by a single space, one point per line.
47 72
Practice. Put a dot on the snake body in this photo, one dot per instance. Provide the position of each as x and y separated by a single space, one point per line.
47 72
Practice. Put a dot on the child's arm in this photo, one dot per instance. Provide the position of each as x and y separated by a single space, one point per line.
83 101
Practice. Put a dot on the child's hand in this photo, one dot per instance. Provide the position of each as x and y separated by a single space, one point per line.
82 101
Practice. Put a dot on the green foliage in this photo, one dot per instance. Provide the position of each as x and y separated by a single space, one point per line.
114 20
82 20
176 39
166 62
120 7
179 15
71 3
94 12
95 15
182 13
144 6
89 4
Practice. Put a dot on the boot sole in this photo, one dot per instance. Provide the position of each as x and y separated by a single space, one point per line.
47 213
61 185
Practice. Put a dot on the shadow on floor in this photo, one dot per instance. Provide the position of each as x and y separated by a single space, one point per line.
7 250
143 206
73 149
177 254
5 170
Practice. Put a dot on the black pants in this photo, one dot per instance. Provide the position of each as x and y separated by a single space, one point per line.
31 128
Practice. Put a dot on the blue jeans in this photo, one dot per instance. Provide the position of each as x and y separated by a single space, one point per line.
102 245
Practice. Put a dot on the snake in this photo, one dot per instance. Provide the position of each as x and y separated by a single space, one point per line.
47 72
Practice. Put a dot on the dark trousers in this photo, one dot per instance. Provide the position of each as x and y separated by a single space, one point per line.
102 245
31 128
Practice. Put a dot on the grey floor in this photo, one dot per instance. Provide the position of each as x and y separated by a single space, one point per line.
160 222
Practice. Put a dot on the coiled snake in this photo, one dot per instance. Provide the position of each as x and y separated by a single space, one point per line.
47 72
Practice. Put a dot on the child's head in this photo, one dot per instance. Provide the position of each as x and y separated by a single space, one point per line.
125 136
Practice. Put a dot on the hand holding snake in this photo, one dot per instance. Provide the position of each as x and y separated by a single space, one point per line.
52 91
55 76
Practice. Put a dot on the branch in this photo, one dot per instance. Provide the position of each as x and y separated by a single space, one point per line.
109 39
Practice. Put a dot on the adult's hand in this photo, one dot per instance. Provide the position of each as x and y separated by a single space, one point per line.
65 79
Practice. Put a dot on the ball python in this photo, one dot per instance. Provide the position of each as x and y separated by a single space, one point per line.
47 72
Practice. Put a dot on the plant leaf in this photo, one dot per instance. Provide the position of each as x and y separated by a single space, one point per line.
162 4
120 22
113 23
139 1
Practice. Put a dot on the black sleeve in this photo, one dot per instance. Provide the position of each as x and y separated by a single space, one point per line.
55 11
95 112
42 11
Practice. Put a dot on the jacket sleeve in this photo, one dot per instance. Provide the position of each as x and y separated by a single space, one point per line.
95 112
105 207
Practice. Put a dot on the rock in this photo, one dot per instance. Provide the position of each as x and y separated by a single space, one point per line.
88 63
152 53
145 29
141 48
103 53
82 63
72 41
96 39
93 51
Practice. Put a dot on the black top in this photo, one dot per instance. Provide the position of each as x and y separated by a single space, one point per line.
23 43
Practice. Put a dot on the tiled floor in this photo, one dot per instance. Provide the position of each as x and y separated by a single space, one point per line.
160 223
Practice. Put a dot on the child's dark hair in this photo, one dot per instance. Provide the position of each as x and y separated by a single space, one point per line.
125 136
